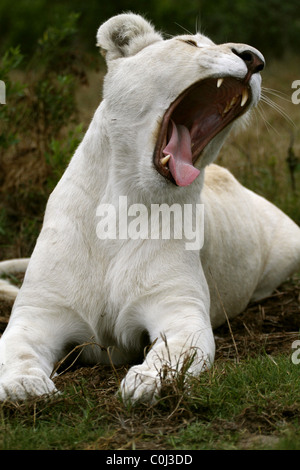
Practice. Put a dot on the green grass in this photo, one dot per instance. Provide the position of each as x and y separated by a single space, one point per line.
251 404
66 422
259 397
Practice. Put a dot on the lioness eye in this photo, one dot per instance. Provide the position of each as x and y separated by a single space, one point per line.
191 43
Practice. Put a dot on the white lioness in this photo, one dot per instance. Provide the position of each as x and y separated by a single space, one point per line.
167 108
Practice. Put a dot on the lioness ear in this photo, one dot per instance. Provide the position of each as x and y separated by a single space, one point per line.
125 35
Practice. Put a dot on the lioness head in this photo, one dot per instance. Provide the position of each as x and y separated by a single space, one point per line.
171 103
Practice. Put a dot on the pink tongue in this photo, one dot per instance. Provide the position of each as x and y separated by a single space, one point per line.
180 163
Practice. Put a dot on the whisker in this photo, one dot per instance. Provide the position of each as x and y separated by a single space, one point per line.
198 29
278 108
184 29
278 94
272 102
169 35
269 126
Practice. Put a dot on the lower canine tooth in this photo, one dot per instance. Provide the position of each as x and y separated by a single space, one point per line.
226 109
245 97
233 101
165 159
219 82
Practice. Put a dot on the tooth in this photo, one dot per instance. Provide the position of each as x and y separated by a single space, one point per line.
233 101
165 159
245 96
219 82
226 109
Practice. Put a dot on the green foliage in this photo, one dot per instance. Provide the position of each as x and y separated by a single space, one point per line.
47 101
54 39
15 90
36 142
272 25
59 153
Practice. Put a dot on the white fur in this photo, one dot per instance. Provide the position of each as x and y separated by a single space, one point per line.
78 288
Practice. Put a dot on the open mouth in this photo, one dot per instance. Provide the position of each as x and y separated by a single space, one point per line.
192 121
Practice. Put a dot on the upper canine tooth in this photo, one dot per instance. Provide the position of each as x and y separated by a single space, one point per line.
219 82
245 96
165 159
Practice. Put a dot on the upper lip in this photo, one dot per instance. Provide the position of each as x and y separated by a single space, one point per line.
205 108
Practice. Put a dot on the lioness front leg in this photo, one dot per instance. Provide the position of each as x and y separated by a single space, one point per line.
31 344
182 344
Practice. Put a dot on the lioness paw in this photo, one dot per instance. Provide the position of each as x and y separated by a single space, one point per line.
141 384
24 386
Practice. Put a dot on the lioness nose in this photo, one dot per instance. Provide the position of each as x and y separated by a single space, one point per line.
254 63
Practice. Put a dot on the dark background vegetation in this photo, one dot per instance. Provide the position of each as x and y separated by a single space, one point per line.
48 54
272 25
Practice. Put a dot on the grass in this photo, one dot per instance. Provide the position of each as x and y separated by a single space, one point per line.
253 398
229 407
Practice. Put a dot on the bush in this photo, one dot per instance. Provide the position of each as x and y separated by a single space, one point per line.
35 138
273 26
